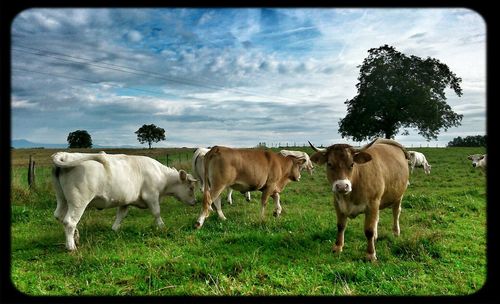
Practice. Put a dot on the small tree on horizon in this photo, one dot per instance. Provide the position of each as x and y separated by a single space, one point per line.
149 134
396 91
79 139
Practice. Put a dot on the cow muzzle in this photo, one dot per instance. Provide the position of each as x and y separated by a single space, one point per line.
342 186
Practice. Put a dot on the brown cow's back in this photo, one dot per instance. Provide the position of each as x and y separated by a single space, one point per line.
242 169
389 166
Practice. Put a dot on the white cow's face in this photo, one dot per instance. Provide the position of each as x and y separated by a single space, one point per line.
185 190
475 159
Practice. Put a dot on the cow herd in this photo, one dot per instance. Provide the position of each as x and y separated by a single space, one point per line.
363 180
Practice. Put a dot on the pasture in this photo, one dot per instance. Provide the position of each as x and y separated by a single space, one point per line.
441 250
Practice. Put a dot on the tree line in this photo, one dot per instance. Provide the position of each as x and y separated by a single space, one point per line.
468 141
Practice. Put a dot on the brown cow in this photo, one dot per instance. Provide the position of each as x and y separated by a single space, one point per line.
365 180
246 170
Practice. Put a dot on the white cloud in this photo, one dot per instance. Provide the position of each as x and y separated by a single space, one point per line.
134 36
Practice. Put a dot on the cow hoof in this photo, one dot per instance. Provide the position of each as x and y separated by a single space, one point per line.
197 225
336 249
276 213
371 257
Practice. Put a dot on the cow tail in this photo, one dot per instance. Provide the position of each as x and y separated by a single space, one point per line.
207 199
60 162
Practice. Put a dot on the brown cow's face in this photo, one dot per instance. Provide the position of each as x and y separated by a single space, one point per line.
340 162
295 170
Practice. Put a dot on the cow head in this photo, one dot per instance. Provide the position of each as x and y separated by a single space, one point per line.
340 160
475 159
184 189
296 167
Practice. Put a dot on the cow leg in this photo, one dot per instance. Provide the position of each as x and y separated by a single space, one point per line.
218 206
396 211
208 197
230 196
371 223
155 210
62 204
341 225
277 208
61 209
70 221
265 197
121 213
247 196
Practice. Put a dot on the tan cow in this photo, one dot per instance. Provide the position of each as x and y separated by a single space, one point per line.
365 180
246 170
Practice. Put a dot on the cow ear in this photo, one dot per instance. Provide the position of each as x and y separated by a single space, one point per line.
183 175
191 178
300 161
469 157
362 157
318 158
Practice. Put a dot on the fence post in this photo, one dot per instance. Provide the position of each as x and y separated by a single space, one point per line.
31 172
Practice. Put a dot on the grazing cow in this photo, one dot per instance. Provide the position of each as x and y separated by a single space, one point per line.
246 170
418 159
198 166
106 181
365 180
478 161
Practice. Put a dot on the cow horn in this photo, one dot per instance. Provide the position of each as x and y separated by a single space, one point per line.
316 149
366 146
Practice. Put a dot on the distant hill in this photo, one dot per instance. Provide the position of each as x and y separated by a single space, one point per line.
23 143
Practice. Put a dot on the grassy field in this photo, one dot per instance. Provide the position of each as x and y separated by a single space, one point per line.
441 250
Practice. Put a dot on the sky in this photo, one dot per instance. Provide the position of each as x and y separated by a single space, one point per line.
235 77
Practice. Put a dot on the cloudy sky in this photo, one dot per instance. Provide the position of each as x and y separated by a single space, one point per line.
232 77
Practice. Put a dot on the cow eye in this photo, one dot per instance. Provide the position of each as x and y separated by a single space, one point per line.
329 165
352 165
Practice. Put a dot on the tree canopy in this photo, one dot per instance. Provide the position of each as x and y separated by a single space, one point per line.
396 91
79 139
149 134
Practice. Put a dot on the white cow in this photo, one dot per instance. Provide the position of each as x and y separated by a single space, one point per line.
418 159
103 180
299 154
198 166
478 161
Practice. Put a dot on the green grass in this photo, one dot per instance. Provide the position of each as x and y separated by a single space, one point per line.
441 250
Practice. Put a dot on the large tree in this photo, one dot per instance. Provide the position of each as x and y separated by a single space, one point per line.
79 139
396 91
149 134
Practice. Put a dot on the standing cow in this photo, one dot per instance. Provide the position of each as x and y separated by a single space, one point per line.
102 180
418 159
365 180
198 167
246 170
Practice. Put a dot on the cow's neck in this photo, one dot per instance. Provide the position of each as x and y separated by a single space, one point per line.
171 178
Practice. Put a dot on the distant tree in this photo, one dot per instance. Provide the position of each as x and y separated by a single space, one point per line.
396 91
468 141
79 139
149 134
